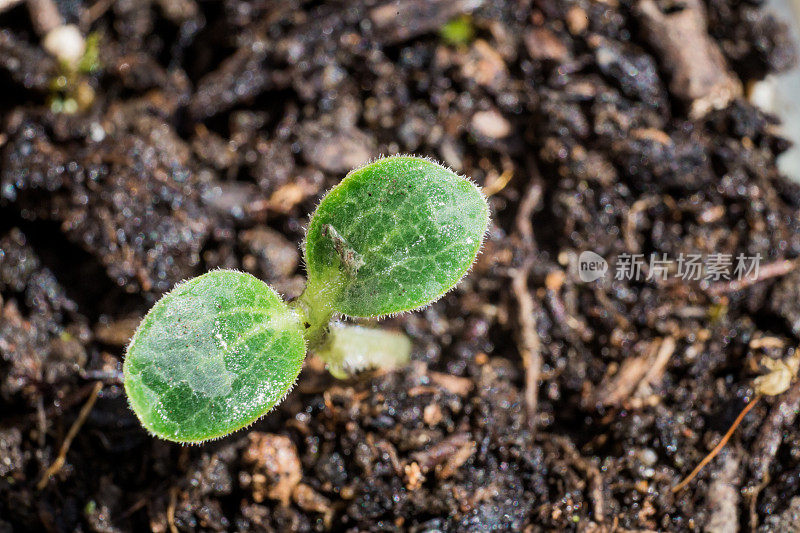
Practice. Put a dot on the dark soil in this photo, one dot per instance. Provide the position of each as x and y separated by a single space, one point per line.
215 129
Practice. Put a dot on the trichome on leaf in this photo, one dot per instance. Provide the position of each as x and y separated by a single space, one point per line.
220 350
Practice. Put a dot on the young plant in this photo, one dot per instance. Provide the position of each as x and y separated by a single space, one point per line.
220 350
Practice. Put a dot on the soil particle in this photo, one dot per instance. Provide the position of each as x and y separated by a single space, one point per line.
276 469
41 336
631 68
143 217
99 513
491 124
483 64
787 301
338 152
396 22
723 497
310 500
543 44
269 253
696 64
28 65
238 78
215 129
788 520
12 459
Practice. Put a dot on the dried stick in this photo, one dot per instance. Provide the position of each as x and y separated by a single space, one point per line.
719 446
769 439
529 343
44 16
95 11
58 464
770 270
8 4
590 471
173 502
699 73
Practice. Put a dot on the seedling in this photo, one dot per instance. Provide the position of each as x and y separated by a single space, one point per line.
458 32
220 350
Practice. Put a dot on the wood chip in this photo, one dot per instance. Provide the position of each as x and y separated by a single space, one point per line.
543 44
577 20
414 476
400 20
118 332
276 466
440 452
454 384
699 73
491 124
637 374
457 459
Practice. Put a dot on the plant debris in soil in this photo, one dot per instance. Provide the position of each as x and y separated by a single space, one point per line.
534 400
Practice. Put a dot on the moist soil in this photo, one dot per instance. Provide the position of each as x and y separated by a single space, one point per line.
207 131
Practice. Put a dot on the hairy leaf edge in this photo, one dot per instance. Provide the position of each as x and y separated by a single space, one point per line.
193 442
487 219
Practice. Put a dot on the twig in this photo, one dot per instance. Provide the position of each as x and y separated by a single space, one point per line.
173 502
140 503
8 4
499 184
94 12
44 16
656 371
578 331
529 342
527 205
41 422
698 71
111 376
633 373
770 270
629 227
58 464
590 471
770 436
719 446
440 452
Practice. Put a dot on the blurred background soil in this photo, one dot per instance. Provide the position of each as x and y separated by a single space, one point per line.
203 134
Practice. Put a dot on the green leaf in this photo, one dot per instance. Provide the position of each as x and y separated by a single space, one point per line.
393 236
212 356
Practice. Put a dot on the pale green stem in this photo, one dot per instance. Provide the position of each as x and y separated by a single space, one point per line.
345 348
315 306
349 348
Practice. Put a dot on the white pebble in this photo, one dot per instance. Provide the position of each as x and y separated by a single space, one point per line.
65 43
